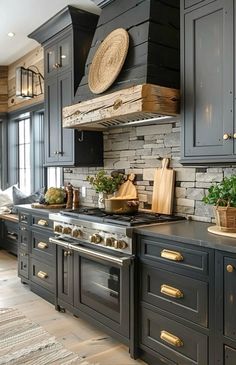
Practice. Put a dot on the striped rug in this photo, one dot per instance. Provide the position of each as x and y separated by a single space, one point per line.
25 342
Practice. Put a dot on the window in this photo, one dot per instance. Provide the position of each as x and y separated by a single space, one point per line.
24 156
54 177
26 151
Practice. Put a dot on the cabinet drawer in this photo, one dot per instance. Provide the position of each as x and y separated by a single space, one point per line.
43 275
177 254
178 294
173 340
23 264
23 238
24 218
41 221
230 356
42 249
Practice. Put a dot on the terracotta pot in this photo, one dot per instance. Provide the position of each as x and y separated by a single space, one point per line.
121 206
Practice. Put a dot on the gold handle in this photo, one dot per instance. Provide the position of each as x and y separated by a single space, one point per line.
230 268
234 135
42 222
171 339
42 275
171 292
171 255
227 136
42 245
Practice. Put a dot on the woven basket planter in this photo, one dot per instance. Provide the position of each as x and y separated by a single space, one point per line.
225 218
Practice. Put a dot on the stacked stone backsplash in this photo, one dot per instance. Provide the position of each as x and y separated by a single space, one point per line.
139 150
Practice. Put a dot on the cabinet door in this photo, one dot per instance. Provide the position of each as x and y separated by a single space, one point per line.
65 275
230 297
50 60
64 53
52 124
230 356
208 80
66 136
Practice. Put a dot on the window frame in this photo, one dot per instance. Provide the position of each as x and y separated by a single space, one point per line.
34 112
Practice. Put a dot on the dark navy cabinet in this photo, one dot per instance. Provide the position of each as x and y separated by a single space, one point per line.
226 308
66 39
176 302
36 255
208 133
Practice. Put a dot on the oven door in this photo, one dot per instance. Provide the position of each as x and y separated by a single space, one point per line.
102 283
102 289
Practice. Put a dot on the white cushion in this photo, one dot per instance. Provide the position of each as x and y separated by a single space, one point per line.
5 200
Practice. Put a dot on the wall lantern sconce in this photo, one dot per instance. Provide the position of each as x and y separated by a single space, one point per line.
28 82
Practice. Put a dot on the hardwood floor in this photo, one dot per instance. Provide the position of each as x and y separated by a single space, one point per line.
76 335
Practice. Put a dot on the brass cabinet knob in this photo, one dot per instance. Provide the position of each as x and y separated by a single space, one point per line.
67 253
234 136
230 268
227 136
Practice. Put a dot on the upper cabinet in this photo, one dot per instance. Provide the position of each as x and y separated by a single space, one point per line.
66 39
208 133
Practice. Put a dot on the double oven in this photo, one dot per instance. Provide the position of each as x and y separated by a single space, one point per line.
96 267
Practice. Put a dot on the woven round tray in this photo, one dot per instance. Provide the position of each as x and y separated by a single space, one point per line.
108 61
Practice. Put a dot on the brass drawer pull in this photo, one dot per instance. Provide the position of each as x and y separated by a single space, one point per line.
42 275
171 339
171 255
43 222
171 292
230 268
42 245
23 229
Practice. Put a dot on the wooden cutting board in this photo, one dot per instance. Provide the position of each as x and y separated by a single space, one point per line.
163 189
127 190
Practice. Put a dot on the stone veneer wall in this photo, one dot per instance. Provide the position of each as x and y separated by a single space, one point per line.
138 150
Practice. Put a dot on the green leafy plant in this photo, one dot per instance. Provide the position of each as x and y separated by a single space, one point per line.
103 183
223 193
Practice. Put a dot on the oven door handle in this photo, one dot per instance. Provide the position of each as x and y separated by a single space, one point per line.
122 261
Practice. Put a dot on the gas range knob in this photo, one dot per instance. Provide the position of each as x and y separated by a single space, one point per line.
66 230
76 233
119 244
95 238
109 241
58 228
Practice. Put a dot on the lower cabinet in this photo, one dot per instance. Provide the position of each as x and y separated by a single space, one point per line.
226 308
36 255
9 236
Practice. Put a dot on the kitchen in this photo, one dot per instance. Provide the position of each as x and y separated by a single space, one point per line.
191 319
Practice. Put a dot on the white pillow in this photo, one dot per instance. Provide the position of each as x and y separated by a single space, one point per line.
9 191
5 200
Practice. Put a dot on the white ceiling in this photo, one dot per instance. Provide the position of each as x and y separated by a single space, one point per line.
22 17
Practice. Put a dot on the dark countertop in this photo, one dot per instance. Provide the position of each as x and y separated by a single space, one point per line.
190 232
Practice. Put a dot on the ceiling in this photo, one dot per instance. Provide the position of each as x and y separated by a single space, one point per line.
22 17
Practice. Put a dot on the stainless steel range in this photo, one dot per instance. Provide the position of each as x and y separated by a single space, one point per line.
96 266
94 226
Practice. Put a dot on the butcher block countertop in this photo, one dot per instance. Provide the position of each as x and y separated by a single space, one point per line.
189 232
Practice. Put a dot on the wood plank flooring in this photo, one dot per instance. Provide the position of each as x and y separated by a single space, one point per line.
95 347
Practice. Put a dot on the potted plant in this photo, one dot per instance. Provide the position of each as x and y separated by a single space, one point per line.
105 184
223 196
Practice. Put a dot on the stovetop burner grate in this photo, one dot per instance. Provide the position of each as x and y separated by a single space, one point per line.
99 215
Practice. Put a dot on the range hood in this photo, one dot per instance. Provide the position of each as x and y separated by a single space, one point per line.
147 88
